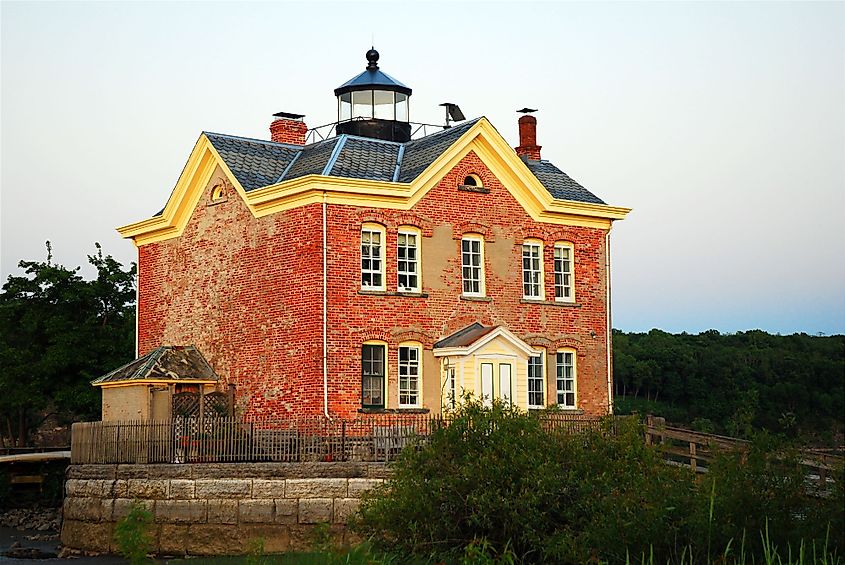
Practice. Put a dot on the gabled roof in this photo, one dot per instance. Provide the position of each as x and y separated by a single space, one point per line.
163 364
351 170
257 163
474 337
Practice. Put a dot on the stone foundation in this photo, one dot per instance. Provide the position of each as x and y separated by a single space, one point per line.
216 509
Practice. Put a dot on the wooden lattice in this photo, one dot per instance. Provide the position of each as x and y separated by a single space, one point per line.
216 405
186 404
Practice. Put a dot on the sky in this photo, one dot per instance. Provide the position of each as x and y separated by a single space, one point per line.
721 124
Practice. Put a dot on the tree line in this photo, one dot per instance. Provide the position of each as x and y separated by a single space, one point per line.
734 383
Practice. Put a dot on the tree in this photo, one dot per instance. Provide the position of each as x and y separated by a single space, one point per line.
58 332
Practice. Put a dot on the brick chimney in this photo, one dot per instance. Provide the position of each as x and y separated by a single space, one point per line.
288 128
528 138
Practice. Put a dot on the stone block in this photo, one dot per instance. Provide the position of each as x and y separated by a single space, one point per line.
152 489
120 489
268 488
287 510
316 488
84 509
173 539
222 511
223 488
276 538
256 511
302 536
182 511
154 471
181 489
87 487
87 535
123 505
344 508
92 472
215 539
357 487
315 510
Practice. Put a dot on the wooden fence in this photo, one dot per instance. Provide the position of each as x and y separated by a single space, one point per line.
696 450
376 437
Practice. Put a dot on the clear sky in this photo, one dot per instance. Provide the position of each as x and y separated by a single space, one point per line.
721 124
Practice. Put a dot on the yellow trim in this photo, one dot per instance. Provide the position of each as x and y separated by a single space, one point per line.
574 377
153 382
565 244
406 229
482 138
373 227
482 276
419 347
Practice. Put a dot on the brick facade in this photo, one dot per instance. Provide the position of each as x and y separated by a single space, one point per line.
248 293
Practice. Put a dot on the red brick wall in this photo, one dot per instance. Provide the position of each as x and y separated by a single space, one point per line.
248 293
243 290
354 318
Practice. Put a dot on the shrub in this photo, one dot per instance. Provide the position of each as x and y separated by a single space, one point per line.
132 534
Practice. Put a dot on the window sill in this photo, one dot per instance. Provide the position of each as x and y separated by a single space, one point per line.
393 410
470 188
550 303
476 298
391 293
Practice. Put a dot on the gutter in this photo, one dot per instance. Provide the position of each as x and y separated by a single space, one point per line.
325 318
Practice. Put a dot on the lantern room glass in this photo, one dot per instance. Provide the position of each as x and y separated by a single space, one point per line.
367 104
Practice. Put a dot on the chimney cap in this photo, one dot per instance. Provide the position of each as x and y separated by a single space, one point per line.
289 115
527 110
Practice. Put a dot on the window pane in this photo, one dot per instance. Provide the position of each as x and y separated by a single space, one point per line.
409 368
383 101
362 104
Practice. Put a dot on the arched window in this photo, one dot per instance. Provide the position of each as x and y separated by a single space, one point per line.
372 256
566 378
564 272
373 374
410 375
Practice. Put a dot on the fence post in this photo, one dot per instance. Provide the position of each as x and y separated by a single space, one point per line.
343 440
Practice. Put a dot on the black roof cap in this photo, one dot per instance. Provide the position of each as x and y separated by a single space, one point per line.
372 79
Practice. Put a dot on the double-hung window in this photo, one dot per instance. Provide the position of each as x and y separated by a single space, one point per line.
536 382
372 375
532 270
372 257
472 265
566 380
409 376
408 261
564 288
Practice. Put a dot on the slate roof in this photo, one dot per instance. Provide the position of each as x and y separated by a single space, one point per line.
166 363
465 337
257 163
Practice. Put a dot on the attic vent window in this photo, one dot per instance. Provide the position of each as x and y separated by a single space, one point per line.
218 194
472 183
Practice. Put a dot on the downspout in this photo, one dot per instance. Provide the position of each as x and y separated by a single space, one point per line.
137 298
608 339
325 317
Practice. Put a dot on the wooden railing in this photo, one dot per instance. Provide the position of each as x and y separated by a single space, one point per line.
369 437
696 450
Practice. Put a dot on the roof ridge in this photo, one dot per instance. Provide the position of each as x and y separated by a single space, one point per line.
327 170
445 130
254 140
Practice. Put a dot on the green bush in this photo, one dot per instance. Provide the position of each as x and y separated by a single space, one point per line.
132 534
495 480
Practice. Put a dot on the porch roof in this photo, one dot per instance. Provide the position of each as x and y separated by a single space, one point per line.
169 363
474 336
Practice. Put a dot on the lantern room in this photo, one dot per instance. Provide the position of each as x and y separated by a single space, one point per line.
374 104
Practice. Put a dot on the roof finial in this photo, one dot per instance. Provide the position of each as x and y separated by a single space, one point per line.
372 58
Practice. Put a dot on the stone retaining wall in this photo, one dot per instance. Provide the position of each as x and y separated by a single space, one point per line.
216 509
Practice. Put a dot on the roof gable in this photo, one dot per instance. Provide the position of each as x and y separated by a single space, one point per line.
359 171
474 337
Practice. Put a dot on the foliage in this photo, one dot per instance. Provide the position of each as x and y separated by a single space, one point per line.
734 383
57 333
494 483
132 534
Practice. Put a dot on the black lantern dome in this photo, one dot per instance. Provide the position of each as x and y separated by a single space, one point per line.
374 104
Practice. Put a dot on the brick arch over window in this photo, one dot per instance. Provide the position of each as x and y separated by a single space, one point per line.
374 335
539 341
375 218
425 225
400 336
558 235
570 342
463 228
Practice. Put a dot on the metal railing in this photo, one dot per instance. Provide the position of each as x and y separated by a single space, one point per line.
327 131
369 437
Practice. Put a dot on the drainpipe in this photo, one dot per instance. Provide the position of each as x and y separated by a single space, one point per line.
137 297
325 318
608 339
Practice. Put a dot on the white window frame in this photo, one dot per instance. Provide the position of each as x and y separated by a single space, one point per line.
380 271
416 272
452 386
561 378
481 288
560 274
405 374
534 248
542 379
